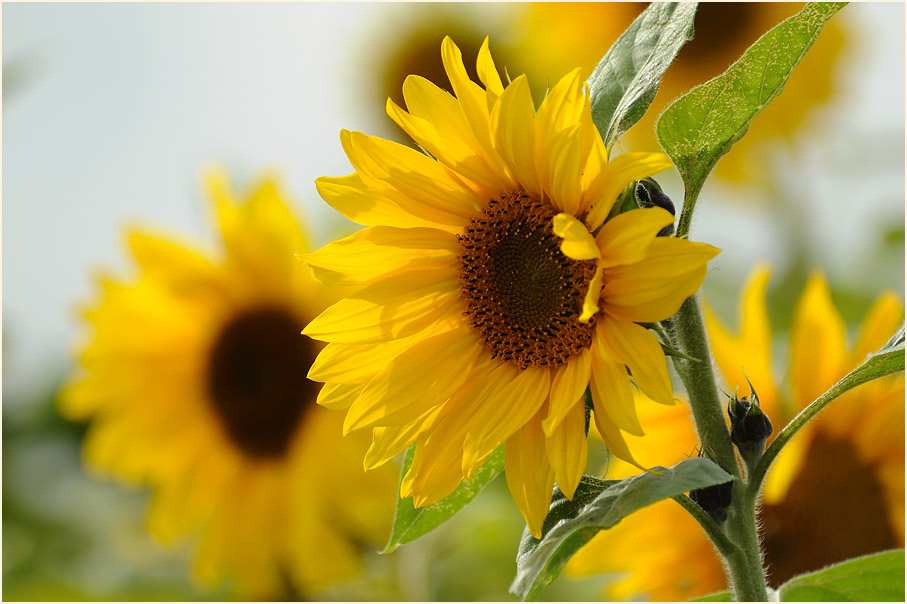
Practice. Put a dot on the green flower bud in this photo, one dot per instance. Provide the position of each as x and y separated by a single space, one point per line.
750 427
648 194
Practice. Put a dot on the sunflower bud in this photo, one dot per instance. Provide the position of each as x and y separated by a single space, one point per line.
649 194
714 500
750 427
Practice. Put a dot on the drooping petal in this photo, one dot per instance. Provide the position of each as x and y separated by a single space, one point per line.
653 289
567 449
578 243
610 433
626 238
389 441
637 348
569 384
530 477
510 400
593 296
611 384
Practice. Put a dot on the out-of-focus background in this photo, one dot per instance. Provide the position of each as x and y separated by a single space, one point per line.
111 111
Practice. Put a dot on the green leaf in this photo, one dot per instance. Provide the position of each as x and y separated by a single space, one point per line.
411 523
701 126
877 577
721 596
598 505
626 79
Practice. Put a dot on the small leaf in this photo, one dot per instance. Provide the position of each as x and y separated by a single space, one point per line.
877 577
597 506
721 596
673 352
411 523
626 79
701 126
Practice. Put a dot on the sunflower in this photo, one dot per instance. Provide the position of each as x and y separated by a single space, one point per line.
558 35
846 463
485 304
193 377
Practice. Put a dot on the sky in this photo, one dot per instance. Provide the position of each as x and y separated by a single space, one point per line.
111 111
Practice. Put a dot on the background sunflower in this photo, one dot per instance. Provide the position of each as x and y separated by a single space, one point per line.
192 375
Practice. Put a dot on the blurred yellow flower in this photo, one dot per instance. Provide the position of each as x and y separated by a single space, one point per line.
561 35
847 463
486 305
192 373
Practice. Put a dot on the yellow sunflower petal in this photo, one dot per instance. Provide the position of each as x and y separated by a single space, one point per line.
359 363
349 196
420 378
395 307
530 477
578 243
444 132
488 73
505 407
389 441
413 180
654 288
626 238
569 384
637 348
610 433
567 450
880 323
390 250
818 343
475 106
513 123
622 170
338 397
593 296
752 351
567 153
611 385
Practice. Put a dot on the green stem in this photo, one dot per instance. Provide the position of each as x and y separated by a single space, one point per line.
876 366
690 195
688 333
724 545
745 559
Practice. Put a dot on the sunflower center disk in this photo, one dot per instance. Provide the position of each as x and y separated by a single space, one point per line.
256 380
523 295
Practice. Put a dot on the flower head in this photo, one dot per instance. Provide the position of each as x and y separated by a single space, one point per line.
193 376
486 305
848 461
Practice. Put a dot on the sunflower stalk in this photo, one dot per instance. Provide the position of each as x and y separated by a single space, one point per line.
744 560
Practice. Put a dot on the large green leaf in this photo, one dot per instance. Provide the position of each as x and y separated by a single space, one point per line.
626 79
411 523
701 126
598 505
877 577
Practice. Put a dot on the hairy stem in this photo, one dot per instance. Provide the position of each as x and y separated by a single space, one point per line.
744 560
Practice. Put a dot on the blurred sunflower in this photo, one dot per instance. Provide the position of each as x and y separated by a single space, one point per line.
193 377
486 305
561 35
847 463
